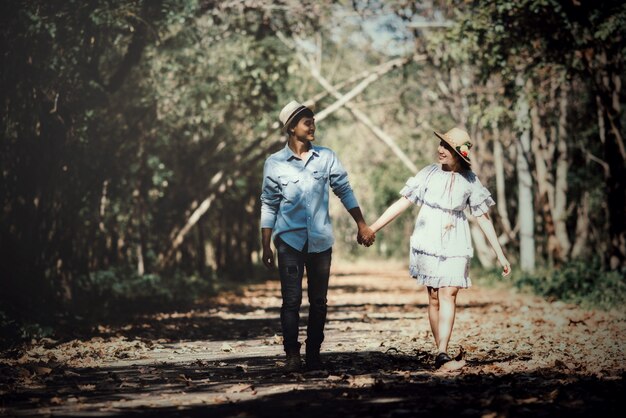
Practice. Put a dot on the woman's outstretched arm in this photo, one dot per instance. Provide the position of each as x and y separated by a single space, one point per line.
487 227
391 213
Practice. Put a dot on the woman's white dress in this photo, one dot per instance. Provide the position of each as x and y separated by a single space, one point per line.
441 244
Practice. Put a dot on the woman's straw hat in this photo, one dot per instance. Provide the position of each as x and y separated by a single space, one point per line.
460 142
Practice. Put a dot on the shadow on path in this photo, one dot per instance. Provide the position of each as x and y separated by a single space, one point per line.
355 385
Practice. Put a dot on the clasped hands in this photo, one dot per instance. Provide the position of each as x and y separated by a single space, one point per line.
365 236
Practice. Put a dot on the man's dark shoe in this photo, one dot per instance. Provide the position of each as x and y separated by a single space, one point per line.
441 359
293 362
313 361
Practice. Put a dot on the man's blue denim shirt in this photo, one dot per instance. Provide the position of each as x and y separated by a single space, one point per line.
294 200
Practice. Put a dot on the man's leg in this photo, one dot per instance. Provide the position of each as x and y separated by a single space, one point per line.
318 272
291 268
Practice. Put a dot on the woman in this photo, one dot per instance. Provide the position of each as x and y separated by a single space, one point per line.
441 246
294 209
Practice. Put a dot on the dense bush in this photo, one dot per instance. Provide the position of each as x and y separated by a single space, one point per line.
577 281
107 295
108 292
11 329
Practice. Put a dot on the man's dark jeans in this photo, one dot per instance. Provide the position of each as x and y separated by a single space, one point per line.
291 264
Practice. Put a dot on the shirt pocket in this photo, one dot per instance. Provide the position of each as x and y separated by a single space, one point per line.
320 178
290 189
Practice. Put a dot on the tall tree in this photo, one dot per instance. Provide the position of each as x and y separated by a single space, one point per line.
586 38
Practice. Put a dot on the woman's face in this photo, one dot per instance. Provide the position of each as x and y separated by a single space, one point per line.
446 154
305 129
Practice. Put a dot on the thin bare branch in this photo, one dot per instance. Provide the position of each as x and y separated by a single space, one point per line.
344 101
430 25
359 88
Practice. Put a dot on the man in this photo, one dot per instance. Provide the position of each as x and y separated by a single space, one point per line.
294 210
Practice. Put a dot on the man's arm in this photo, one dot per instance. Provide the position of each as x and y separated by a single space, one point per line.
270 202
341 187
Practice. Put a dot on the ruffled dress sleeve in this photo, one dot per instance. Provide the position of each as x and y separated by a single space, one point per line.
415 187
480 198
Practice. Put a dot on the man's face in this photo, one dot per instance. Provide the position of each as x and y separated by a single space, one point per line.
305 129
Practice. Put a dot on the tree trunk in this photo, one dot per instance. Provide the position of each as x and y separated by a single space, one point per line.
526 211
201 263
498 162
616 181
562 169
607 85
579 248
483 251
542 152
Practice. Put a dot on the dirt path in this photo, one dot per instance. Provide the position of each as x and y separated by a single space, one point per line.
526 357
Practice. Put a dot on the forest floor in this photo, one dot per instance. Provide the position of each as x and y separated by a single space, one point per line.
525 357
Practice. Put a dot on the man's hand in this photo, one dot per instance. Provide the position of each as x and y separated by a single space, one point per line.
366 236
268 254
268 257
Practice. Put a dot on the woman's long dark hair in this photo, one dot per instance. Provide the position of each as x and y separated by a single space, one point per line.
464 164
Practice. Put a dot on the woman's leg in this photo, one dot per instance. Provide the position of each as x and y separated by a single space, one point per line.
447 311
433 312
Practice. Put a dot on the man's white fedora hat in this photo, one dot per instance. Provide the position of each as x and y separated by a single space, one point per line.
290 111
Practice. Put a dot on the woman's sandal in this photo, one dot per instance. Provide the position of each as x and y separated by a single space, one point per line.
441 359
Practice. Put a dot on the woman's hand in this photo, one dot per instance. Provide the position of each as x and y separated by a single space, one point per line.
506 266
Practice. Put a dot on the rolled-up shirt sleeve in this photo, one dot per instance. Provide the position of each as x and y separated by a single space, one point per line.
270 197
340 184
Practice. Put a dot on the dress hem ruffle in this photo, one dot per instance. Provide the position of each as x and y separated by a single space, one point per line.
437 282
427 269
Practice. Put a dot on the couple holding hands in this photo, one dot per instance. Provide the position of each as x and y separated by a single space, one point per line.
294 211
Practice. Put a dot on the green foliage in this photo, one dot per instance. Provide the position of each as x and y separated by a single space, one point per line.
117 117
387 180
13 330
504 36
579 281
106 293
